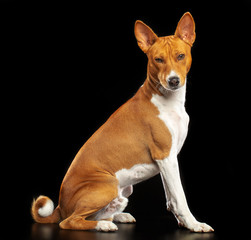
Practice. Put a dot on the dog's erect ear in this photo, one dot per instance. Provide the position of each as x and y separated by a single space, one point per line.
186 29
144 35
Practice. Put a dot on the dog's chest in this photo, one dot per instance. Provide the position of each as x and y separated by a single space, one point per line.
175 117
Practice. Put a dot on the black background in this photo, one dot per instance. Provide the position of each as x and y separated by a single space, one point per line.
65 68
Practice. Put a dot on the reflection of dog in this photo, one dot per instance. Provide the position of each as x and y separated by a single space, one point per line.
141 139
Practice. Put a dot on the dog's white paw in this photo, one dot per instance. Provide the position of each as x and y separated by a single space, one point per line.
200 227
124 218
106 226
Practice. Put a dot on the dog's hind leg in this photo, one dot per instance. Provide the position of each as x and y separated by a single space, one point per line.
114 208
78 222
90 202
123 217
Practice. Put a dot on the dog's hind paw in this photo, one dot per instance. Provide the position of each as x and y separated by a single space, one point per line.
124 218
106 226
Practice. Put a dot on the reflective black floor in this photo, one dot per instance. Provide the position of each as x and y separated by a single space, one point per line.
145 229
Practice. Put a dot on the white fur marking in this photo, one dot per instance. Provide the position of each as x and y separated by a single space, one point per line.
116 206
124 218
172 112
175 196
47 209
136 174
106 226
172 74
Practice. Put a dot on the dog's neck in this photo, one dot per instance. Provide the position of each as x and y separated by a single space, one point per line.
152 86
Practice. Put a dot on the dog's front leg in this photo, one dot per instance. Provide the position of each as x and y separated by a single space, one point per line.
175 196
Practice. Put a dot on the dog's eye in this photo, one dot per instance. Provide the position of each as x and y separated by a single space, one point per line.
181 57
159 60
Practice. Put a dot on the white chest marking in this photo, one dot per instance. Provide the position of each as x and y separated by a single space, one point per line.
173 114
136 174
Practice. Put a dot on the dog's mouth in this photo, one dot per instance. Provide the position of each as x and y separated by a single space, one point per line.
166 88
174 88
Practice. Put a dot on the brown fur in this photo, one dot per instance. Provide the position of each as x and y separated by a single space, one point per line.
40 202
133 134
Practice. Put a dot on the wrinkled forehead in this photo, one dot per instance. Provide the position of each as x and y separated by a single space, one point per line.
169 45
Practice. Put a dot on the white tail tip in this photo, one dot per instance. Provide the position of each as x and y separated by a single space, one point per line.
47 209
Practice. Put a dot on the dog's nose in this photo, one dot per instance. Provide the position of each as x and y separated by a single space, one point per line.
173 81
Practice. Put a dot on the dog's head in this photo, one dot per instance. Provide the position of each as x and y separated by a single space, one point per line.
169 58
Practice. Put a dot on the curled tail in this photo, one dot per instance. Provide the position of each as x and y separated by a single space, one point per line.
42 210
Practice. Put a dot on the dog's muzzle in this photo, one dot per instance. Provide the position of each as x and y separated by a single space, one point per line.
173 82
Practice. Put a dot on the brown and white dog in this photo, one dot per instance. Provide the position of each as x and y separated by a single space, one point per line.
141 139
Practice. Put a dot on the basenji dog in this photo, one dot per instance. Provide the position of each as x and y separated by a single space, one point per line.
140 140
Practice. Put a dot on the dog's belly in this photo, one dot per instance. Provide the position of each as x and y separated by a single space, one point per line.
136 174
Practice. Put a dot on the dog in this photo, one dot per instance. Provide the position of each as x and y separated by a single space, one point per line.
139 140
